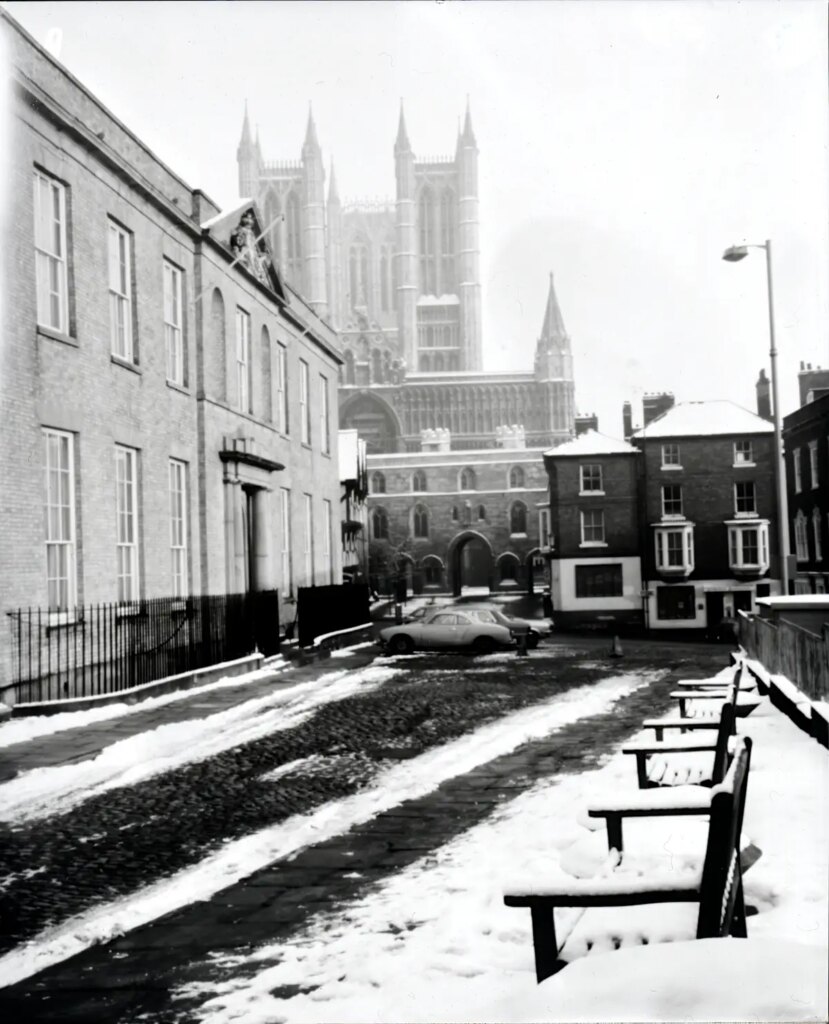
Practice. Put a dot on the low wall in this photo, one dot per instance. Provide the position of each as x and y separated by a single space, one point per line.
785 649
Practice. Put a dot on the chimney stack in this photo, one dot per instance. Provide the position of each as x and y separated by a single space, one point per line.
763 387
627 421
654 406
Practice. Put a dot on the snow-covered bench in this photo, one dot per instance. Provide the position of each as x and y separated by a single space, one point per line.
715 888
691 697
686 760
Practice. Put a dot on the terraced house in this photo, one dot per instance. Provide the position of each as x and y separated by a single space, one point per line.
169 401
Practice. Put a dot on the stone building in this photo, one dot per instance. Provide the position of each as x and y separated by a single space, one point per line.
169 400
450 519
806 445
400 282
594 553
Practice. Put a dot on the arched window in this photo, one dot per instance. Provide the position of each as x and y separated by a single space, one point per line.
432 571
293 224
376 366
508 568
481 512
455 514
378 482
380 524
349 367
420 522
418 480
218 348
438 362
447 241
426 225
467 479
385 274
518 517
516 477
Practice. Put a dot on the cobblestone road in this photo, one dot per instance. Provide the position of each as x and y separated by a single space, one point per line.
119 841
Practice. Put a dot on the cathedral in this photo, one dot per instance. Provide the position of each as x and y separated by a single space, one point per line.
401 284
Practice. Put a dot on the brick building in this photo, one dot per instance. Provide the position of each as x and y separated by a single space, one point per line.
806 445
168 399
594 529
449 519
707 514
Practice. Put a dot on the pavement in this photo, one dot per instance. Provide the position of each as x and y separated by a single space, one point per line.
117 842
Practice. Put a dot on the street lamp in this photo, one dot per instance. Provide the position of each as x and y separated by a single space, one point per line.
733 254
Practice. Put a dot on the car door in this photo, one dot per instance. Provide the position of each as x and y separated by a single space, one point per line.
440 631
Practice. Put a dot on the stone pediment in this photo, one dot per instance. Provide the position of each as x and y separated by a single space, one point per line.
241 230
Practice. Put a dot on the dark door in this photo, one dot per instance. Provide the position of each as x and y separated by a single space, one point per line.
714 608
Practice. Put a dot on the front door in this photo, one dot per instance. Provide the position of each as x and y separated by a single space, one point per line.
714 608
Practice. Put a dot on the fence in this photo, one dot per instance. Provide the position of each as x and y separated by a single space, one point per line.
785 649
329 609
104 648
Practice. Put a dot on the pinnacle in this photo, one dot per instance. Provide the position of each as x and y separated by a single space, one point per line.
245 127
311 130
468 133
553 329
333 195
402 142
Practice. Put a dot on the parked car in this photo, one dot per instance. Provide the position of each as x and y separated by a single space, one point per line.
425 611
445 629
537 629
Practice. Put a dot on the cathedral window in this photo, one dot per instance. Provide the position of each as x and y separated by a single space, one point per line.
426 224
467 479
418 480
293 225
420 522
358 274
518 517
455 514
376 366
378 482
481 512
447 241
516 477
380 524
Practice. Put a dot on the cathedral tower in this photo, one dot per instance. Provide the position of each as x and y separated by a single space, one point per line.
469 286
334 250
313 221
554 369
406 246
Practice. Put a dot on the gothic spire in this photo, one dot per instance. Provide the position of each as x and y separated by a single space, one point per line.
401 144
553 330
245 140
468 134
311 130
258 146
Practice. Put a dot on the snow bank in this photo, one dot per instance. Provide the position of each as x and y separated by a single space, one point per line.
54 790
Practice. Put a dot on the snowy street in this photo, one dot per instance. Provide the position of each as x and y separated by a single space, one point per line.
218 868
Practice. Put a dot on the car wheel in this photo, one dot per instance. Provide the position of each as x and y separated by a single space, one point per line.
401 644
532 640
483 645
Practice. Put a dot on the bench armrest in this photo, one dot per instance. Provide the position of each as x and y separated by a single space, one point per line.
669 747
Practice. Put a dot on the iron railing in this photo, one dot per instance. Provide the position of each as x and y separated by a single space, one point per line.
105 648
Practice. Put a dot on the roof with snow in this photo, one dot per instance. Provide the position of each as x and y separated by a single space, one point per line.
593 443
705 419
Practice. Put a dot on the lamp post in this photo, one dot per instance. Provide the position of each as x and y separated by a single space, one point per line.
733 254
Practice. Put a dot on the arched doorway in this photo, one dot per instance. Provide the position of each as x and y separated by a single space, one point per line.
470 561
375 420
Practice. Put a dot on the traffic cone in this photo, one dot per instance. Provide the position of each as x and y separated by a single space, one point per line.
616 648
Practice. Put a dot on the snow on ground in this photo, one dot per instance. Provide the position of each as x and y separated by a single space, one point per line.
240 858
54 790
21 730
436 943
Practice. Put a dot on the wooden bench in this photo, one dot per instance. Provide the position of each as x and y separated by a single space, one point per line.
708 692
710 721
643 752
717 887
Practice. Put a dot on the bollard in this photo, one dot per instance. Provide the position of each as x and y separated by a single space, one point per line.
616 648
398 613
522 644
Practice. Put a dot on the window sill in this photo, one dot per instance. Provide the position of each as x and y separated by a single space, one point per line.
593 544
744 465
744 516
128 610
673 517
181 388
592 494
671 469
513 536
132 367
53 335
62 620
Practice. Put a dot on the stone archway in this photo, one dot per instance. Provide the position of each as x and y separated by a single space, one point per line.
375 420
470 561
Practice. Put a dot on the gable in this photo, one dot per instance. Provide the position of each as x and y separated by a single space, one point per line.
241 230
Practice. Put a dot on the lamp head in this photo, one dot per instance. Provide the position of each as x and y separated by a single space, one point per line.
735 253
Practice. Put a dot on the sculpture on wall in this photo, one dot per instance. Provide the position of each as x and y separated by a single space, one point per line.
246 249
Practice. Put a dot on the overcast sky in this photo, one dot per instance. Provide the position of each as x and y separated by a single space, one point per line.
623 145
